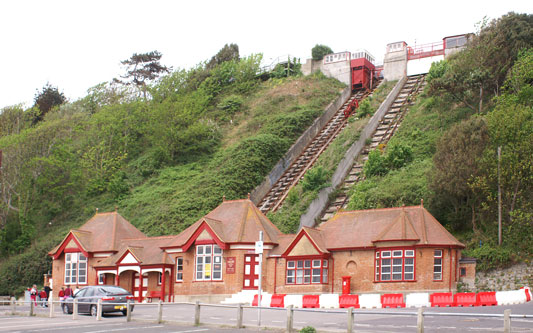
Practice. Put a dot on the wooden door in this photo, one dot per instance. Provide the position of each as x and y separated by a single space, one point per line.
137 284
251 271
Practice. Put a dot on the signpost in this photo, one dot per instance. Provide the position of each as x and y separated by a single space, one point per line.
259 251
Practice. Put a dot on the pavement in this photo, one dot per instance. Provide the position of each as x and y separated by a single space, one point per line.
180 318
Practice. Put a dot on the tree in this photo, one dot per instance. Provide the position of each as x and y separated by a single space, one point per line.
143 68
457 165
45 101
319 51
227 53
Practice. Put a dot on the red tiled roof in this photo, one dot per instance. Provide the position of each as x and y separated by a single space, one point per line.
147 250
235 221
103 232
359 229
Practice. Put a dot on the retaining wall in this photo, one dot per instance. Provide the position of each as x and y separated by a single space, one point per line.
319 204
298 147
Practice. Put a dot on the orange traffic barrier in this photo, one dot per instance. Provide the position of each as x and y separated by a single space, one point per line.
464 299
311 301
392 301
277 301
486 298
441 299
349 301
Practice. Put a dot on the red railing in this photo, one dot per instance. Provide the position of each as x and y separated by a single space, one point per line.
425 50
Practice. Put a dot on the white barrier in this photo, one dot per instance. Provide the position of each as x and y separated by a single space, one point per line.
266 299
329 301
369 301
527 290
510 297
417 300
294 300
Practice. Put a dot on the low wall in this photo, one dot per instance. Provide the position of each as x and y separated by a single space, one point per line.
319 204
298 147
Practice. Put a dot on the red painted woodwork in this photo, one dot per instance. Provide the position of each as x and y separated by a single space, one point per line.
251 271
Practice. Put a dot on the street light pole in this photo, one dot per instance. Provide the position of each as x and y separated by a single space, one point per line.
259 250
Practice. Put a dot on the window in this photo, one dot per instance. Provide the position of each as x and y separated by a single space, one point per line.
308 271
179 269
395 265
75 268
159 279
463 271
208 262
101 278
437 265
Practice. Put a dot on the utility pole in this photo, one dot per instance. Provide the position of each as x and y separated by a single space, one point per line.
259 251
499 199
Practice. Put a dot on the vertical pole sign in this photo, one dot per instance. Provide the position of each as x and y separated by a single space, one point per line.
259 251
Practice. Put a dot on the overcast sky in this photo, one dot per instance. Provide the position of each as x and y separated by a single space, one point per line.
75 45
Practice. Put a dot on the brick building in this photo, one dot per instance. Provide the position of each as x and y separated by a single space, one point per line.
380 250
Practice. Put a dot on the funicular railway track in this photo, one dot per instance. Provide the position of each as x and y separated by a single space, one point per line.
387 127
277 194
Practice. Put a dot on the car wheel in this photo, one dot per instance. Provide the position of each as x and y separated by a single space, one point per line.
125 312
93 310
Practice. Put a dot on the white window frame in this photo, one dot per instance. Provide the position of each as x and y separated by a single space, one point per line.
208 254
438 255
179 272
73 273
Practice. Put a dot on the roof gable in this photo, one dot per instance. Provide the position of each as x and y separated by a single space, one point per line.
128 258
400 229
307 242
69 243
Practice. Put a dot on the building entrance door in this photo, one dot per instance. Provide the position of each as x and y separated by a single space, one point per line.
251 271
143 286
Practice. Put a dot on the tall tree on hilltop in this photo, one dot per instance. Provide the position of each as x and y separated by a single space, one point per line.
45 100
227 53
143 68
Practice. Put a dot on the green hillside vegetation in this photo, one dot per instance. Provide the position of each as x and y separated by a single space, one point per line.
164 161
476 101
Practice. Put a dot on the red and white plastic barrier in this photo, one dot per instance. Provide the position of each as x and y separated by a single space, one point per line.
369 301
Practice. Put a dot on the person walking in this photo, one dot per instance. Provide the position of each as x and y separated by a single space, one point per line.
68 292
62 297
33 294
43 297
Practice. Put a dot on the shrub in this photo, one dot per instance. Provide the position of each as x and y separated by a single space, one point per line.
308 329
489 257
314 179
364 109
319 51
230 104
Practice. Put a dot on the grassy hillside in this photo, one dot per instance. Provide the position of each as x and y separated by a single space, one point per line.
164 162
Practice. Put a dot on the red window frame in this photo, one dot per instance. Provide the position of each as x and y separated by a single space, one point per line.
435 258
388 258
306 265
179 272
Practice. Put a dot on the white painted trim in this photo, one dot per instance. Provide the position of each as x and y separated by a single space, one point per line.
114 271
102 255
180 250
129 268
148 270
129 259
248 247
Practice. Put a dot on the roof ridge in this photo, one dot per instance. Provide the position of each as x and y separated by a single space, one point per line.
376 209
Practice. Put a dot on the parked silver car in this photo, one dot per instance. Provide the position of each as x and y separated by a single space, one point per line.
88 298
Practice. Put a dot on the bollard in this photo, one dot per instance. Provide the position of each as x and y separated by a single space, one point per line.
98 309
290 318
160 312
350 320
197 313
239 316
128 311
32 305
507 321
74 309
420 321
13 306
51 308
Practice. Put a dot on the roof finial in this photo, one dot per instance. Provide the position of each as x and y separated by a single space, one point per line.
422 202
96 210
248 195
223 198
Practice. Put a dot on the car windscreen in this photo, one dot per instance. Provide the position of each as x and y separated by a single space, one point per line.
111 290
